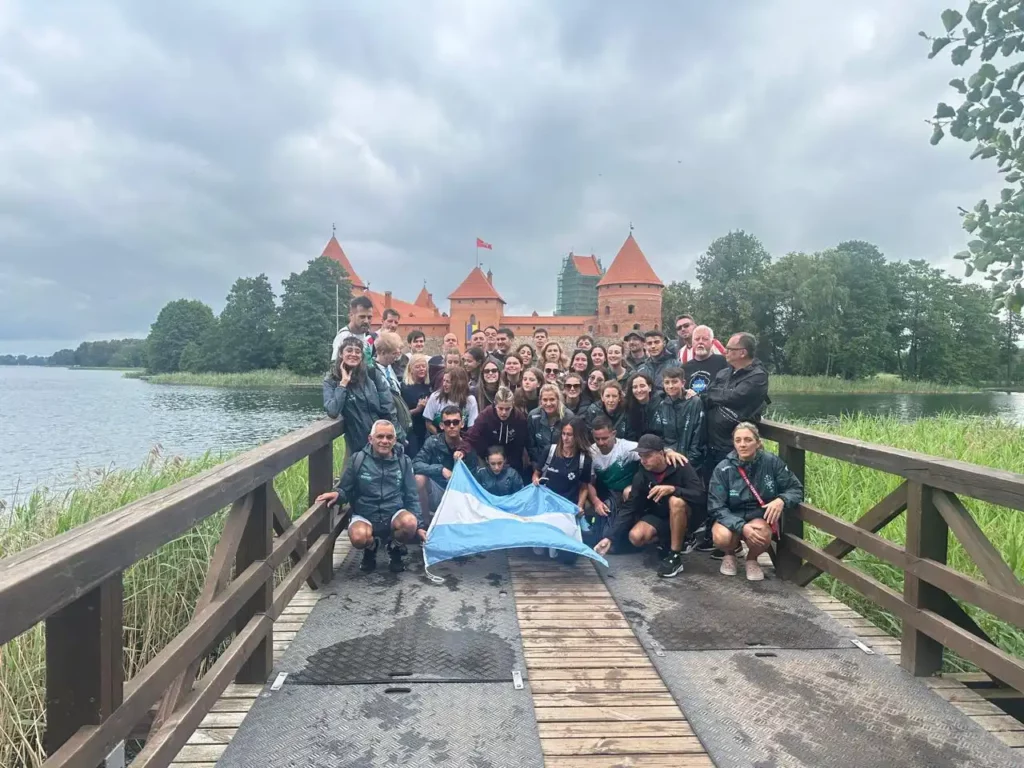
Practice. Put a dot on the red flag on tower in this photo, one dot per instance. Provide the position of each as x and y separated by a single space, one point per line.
481 244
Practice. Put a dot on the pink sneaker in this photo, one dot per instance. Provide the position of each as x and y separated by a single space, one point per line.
754 572
728 565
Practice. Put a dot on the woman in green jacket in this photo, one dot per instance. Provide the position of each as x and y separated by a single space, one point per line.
748 492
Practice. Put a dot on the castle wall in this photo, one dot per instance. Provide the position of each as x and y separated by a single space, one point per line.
622 308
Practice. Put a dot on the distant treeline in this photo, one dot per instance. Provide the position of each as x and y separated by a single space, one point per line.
115 353
849 312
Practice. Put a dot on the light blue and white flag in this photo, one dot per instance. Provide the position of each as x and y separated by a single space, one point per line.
470 520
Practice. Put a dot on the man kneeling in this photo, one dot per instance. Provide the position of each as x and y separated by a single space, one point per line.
660 501
379 485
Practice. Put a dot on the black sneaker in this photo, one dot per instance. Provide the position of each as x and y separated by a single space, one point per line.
689 544
705 544
396 552
717 554
370 557
671 565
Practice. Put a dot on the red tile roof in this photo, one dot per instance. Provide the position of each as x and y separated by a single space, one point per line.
412 314
425 300
476 286
586 265
630 266
333 251
547 320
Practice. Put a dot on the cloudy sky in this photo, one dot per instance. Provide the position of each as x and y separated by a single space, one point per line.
152 151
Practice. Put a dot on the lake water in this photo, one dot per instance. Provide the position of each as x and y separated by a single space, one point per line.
56 424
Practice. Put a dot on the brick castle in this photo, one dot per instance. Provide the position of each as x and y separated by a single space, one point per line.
625 297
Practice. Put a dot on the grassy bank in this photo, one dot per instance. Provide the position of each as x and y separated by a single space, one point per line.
159 592
881 384
848 491
248 379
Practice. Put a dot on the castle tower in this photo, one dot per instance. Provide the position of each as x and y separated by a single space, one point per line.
333 251
475 303
577 285
629 294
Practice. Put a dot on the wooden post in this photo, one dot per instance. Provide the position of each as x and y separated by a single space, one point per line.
84 662
257 541
927 537
321 478
789 562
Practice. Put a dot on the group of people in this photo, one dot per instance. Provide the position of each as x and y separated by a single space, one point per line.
654 442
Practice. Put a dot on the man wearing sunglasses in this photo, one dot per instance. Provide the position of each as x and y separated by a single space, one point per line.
378 484
682 345
436 460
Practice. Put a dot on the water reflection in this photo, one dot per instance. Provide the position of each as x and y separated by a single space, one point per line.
1005 405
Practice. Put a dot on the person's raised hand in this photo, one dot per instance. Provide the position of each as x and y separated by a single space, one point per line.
345 375
603 546
773 511
331 497
458 456
659 492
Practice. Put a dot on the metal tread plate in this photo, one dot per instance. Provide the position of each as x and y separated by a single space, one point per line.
836 708
700 609
478 725
383 627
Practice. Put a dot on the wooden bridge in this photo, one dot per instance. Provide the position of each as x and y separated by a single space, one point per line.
295 658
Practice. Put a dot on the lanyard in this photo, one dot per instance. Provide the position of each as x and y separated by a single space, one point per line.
760 501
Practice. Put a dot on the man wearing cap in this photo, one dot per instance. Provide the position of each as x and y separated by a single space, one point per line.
660 502
635 353
658 358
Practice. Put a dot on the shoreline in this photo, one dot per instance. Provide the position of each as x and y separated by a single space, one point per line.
780 384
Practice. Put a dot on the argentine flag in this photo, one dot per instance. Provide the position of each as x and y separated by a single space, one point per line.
470 520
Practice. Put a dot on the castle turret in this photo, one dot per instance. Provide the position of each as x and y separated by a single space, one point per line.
629 294
475 303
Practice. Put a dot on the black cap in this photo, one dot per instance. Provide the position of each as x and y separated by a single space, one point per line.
650 444
633 334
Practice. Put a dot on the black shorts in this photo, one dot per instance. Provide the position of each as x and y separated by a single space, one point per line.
661 525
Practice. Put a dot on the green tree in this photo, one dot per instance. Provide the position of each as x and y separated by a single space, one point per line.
731 272
178 323
989 114
307 322
63 357
247 334
864 345
678 299
1011 328
189 359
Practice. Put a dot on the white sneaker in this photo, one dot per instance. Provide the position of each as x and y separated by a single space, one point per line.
728 566
754 572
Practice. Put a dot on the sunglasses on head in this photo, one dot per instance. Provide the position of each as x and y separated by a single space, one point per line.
451 422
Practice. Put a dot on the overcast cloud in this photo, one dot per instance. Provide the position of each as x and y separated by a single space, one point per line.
153 151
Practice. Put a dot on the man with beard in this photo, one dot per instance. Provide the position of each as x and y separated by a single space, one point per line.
704 364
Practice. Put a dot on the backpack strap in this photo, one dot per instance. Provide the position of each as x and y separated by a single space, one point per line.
551 455
357 461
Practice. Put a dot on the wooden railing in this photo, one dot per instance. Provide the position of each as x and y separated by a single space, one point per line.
74 583
932 617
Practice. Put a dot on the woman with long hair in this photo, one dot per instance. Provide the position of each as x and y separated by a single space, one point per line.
543 422
616 365
359 394
641 406
487 385
568 469
454 390
528 394
579 363
472 359
572 391
747 496
592 389
599 358
501 424
526 354
552 353
512 372
415 392
611 405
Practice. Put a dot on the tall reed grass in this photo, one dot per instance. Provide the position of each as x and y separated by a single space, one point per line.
160 591
848 491
881 384
276 377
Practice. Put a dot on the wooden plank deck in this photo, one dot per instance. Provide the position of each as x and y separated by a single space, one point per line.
599 701
1007 729
211 738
